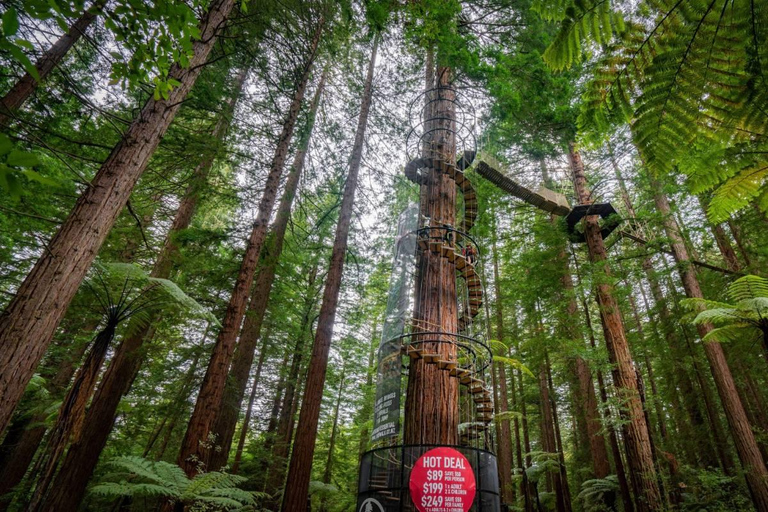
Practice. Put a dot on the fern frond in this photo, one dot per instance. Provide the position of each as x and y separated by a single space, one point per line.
748 287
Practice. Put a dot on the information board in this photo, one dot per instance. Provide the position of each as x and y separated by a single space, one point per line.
442 481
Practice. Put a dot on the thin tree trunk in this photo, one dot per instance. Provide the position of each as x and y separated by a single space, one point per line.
27 84
366 412
242 360
300 468
282 442
30 319
518 443
636 438
549 445
529 488
195 448
249 411
70 418
744 439
621 474
559 446
504 435
328 470
22 440
673 338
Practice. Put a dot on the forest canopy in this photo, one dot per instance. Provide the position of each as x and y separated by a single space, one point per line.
221 220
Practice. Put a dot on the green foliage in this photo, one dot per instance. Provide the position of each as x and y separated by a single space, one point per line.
690 79
594 492
712 491
583 22
135 477
745 318
17 167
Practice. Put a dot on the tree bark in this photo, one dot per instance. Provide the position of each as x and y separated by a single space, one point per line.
548 442
249 411
744 439
83 455
242 360
195 453
286 419
328 470
621 475
504 435
22 440
29 321
432 395
27 84
71 412
566 498
299 471
636 437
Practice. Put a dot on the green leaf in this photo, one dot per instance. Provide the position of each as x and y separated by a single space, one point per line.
20 158
10 22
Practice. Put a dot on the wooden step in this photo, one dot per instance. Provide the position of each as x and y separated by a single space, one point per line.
435 246
482 399
459 372
485 408
423 244
446 365
415 353
430 357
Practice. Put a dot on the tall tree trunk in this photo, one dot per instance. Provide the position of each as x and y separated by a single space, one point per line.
366 411
548 443
529 488
83 455
194 451
675 344
285 421
504 435
518 441
621 475
26 433
30 319
300 468
70 418
328 470
636 437
586 397
249 410
566 498
242 360
744 439
179 398
432 395
27 84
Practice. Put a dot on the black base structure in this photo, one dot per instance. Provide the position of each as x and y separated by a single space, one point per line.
385 475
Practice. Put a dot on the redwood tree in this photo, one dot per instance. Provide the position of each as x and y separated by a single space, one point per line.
242 359
198 437
27 84
299 470
746 446
30 319
636 436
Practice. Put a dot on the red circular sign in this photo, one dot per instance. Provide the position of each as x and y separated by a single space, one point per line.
442 481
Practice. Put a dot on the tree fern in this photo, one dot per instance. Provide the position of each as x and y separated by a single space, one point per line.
745 318
583 22
689 77
136 477
593 492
